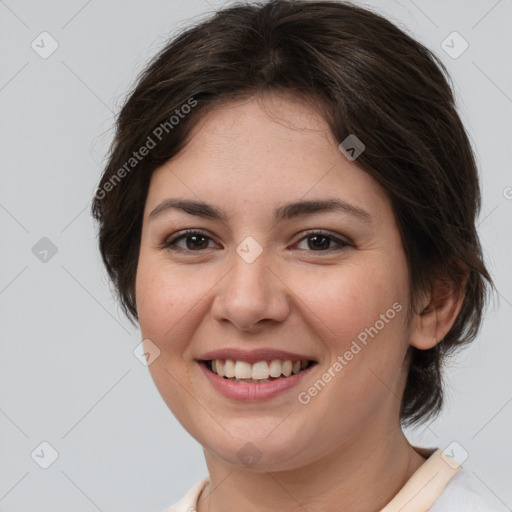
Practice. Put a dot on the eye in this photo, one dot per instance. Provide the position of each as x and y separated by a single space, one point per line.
321 240
196 241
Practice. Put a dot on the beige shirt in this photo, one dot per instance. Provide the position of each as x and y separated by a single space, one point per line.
417 495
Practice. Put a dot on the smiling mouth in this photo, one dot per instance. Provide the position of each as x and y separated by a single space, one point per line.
259 372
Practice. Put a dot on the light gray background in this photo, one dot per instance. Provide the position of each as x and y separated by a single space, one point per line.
68 375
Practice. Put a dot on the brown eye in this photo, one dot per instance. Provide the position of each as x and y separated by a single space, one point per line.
197 241
194 241
319 241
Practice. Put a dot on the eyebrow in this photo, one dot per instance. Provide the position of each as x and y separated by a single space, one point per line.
284 212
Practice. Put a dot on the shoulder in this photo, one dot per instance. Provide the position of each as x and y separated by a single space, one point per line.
467 493
188 502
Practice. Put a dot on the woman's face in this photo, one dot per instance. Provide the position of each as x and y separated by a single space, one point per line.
324 285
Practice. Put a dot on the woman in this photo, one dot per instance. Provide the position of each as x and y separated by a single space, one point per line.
288 211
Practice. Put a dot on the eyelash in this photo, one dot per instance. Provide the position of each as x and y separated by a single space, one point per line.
170 244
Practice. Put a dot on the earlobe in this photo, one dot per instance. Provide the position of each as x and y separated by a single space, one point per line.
424 329
437 317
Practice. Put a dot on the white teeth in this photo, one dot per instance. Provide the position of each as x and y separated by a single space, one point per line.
243 370
229 368
275 368
259 371
286 368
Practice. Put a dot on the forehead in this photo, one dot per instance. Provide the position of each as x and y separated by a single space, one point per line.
276 122
264 151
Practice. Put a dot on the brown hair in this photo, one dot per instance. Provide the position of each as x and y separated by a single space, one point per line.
367 77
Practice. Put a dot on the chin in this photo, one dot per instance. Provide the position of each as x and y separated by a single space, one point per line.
261 453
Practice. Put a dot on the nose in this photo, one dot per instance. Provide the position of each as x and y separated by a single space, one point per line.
251 295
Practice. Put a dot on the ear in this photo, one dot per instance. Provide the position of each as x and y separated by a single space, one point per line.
439 310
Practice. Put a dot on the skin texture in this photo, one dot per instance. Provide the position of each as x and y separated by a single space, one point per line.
345 449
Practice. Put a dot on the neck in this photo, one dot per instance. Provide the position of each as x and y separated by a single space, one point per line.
360 476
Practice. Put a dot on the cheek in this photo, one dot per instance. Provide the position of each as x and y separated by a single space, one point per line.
360 318
172 300
164 303
161 298
352 298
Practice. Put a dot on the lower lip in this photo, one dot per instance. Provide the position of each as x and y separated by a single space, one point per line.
248 392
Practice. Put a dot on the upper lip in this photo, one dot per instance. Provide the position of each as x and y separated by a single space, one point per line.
253 356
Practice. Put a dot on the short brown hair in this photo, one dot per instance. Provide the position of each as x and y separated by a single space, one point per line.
367 77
